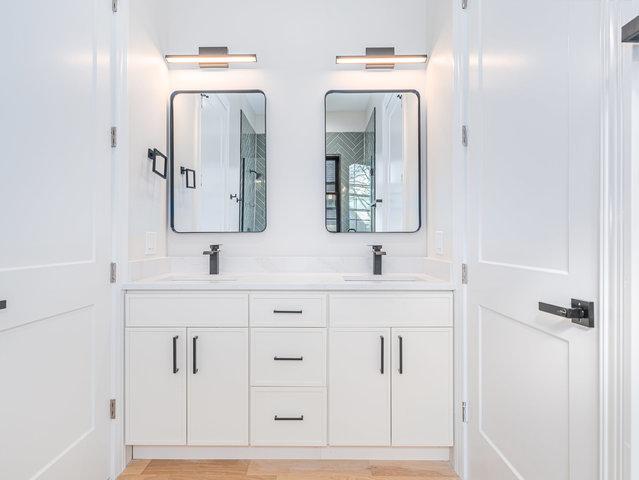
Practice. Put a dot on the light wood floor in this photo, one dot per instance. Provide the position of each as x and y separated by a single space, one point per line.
286 470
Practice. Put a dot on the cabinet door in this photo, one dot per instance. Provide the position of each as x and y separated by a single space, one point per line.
155 386
359 386
422 387
218 386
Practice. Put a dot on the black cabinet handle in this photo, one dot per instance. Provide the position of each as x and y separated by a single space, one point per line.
401 355
3 304
381 345
298 312
195 370
175 369
289 419
288 359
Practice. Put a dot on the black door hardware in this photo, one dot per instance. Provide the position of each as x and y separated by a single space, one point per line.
195 369
175 369
288 419
401 355
288 359
298 312
3 304
381 345
580 312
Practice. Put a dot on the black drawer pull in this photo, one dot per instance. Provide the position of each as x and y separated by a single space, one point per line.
288 359
401 355
289 419
175 369
195 369
298 312
381 347
3 304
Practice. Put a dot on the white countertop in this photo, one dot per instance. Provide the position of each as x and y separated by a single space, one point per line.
292 281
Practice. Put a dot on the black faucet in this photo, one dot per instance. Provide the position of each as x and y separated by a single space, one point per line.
377 259
214 259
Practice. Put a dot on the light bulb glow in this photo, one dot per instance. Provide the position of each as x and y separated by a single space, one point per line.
380 59
212 59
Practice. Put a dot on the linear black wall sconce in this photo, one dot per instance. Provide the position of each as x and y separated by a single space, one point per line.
630 31
380 58
190 176
160 162
212 57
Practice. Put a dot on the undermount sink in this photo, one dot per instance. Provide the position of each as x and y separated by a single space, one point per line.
199 278
381 278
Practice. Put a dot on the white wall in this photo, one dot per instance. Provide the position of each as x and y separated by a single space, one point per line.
296 43
440 105
147 89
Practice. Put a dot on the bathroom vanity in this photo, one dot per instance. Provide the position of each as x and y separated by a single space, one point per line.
289 361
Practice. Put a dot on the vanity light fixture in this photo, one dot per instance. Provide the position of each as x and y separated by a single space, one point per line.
190 176
160 161
380 58
212 57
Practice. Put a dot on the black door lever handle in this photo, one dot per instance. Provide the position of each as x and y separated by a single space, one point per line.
580 312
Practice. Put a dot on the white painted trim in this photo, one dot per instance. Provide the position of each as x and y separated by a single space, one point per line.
291 453
120 454
460 251
611 247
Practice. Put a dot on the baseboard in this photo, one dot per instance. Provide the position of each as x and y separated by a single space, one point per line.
291 453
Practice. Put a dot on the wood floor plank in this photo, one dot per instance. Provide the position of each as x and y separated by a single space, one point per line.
286 470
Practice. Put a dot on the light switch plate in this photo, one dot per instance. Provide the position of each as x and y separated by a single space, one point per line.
151 243
439 242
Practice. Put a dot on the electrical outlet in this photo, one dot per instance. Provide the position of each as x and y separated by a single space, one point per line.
439 242
151 243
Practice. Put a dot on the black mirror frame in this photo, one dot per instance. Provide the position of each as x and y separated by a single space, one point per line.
419 153
172 156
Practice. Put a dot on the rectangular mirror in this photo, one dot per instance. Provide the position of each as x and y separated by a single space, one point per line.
372 161
218 161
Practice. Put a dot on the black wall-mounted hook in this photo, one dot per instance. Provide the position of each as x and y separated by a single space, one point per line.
190 176
160 162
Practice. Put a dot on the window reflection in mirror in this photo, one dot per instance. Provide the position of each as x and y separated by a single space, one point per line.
218 161
372 165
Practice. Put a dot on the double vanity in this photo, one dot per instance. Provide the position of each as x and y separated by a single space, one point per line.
289 360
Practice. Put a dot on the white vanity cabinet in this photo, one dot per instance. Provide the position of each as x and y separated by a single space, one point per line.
391 385
187 385
289 369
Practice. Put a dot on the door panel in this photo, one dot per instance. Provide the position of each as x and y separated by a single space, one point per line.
218 406
156 386
55 242
533 236
422 387
359 388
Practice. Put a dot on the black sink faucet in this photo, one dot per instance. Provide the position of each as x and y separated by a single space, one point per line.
377 259
214 259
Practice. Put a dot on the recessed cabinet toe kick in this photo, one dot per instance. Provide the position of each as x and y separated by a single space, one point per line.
289 369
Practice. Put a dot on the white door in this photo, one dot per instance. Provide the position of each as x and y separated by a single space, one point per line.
394 187
156 372
359 386
218 386
534 161
422 387
55 174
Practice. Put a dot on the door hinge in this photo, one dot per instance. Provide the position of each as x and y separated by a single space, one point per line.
464 4
114 273
464 412
114 137
114 6
464 135
464 278
112 409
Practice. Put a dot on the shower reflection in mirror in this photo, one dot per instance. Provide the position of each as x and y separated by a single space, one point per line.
372 167
221 136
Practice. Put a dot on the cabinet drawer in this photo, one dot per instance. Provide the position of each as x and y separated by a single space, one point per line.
288 416
288 357
432 309
191 309
288 310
